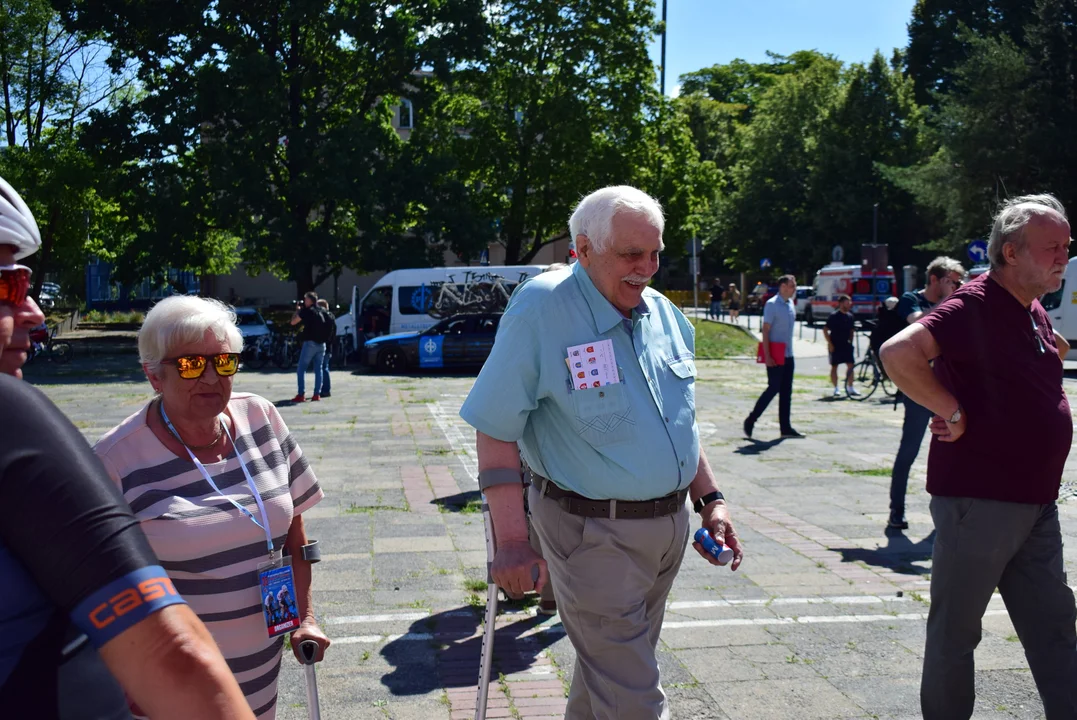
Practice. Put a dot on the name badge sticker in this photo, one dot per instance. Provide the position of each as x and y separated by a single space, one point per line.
601 364
276 588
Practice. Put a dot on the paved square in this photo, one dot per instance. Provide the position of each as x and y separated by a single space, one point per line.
825 619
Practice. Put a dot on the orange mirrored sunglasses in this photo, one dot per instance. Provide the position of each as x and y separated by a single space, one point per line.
14 284
191 367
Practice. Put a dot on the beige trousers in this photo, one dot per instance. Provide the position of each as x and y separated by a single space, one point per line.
611 579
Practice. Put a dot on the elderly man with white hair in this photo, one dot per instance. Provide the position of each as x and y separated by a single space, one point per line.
592 379
1002 431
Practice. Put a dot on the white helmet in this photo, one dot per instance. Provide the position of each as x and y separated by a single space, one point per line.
17 225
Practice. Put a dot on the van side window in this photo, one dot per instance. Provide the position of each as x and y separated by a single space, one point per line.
415 299
1052 301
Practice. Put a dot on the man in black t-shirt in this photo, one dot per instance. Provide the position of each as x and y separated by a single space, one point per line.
313 349
79 583
838 332
944 275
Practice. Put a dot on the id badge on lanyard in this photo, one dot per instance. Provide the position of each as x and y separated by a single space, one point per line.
276 584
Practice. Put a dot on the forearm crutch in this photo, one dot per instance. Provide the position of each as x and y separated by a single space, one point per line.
490 618
308 649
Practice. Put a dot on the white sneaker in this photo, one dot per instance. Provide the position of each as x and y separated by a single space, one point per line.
837 393
852 391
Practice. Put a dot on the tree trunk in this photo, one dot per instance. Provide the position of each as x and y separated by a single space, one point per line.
303 274
47 240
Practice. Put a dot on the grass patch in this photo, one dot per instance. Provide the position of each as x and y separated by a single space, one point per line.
97 316
476 586
869 472
715 341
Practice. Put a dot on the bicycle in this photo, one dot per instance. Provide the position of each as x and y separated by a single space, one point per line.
48 347
285 350
868 374
258 352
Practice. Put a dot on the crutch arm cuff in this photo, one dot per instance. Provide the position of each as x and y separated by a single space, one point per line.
499 476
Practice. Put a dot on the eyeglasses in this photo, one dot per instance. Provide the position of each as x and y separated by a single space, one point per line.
191 367
1040 347
14 284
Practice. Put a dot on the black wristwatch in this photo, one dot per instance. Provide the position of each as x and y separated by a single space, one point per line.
707 500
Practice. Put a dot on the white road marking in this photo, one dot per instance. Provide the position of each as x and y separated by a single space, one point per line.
767 602
463 448
359 619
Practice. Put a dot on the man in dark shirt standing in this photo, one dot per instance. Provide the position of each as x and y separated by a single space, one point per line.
1003 429
944 275
311 350
838 331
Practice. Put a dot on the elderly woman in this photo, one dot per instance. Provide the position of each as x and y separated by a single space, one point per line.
210 519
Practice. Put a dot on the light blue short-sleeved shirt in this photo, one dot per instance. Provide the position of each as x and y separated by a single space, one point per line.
635 440
782 316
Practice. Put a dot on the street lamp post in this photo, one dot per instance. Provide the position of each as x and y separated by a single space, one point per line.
663 66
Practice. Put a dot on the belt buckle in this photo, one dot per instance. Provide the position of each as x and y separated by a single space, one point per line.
613 509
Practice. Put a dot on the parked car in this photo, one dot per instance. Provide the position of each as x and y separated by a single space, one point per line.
251 324
458 341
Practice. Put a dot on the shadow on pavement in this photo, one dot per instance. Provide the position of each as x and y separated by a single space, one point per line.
453 633
898 554
86 370
755 447
469 501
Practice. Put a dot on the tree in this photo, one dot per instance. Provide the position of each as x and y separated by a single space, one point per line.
765 211
562 102
939 37
270 121
50 79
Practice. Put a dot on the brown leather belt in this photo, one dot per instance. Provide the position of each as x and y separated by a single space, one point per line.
576 504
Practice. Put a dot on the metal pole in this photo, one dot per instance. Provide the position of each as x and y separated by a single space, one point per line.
695 278
875 225
662 84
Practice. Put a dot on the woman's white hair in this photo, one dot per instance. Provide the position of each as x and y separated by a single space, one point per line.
1012 219
181 320
593 217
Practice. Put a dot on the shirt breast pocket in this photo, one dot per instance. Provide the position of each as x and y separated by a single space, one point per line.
603 415
684 372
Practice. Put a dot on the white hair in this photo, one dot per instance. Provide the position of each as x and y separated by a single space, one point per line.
181 320
1012 219
593 217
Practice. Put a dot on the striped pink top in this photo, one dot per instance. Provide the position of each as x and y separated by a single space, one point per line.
208 547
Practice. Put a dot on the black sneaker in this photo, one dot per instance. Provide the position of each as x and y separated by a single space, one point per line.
898 522
749 425
325 395
791 434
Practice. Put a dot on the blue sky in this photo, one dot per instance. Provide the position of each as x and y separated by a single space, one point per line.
707 32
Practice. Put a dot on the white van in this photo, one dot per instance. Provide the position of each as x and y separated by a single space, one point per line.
1061 307
415 299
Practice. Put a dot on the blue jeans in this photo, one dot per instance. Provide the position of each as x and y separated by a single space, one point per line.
311 351
912 435
716 310
325 368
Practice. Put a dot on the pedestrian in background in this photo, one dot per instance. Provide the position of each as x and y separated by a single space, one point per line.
944 276
327 317
779 319
734 302
838 332
716 299
1002 431
313 348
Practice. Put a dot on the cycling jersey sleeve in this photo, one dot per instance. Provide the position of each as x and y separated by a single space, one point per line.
67 523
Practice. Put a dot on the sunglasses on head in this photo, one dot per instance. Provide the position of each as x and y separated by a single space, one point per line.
191 367
14 284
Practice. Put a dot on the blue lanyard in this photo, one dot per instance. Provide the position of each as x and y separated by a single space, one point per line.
209 478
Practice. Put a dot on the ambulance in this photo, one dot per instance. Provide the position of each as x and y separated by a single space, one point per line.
868 290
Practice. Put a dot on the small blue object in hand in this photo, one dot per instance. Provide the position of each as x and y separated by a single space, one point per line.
721 553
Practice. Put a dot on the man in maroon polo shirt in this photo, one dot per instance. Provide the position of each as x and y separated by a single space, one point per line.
1002 432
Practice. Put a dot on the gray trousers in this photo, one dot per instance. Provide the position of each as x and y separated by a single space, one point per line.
611 580
981 545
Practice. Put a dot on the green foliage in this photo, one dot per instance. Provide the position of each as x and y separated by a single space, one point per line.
563 102
50 79
268 122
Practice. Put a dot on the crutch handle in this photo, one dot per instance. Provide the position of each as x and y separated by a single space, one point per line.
308 650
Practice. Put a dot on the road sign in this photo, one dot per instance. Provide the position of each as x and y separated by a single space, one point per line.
978 251
764 263
484 257
837 254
